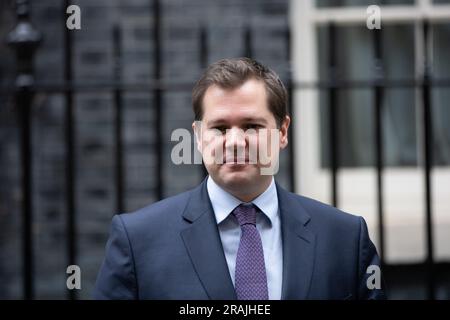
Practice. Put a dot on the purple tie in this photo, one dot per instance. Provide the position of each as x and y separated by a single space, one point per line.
250 275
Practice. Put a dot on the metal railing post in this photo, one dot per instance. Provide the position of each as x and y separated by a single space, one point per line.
378 135
333 113
24 39
428 147
157 96
118 120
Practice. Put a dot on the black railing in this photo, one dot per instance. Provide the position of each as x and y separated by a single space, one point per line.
332 113
70 151
25 39
378 111
118 116
379 84
428 160
157 96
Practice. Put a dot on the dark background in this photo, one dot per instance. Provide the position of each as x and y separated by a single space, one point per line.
106 99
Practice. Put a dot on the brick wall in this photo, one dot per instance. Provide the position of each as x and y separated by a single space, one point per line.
225 22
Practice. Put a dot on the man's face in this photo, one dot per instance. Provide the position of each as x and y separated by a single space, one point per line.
228 114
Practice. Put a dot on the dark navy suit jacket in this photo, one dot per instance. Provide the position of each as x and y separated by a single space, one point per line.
172 250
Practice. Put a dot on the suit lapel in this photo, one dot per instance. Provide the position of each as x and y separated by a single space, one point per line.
298 247
203 244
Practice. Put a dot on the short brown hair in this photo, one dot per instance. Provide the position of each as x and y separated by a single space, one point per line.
231 73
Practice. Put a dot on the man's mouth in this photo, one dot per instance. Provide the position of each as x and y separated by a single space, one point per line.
236 161
233 159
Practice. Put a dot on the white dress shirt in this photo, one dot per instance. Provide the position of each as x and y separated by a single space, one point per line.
268 225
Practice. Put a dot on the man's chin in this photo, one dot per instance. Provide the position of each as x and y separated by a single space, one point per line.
239 169
236 166
239 175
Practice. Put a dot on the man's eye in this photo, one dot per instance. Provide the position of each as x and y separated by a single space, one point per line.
253 126
221 129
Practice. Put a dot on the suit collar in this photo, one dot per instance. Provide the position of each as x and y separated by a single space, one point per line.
198 203
298 247
224 203
203 244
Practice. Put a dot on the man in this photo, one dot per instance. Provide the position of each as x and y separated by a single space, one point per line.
239 235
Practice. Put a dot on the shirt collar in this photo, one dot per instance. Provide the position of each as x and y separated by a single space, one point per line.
223 202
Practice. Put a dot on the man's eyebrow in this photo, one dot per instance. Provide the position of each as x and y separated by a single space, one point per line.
245 120
216 121
257 119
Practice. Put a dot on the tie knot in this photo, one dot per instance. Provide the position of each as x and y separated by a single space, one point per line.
245 214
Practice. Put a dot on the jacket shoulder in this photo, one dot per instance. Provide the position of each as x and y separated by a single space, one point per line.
158 214
325 214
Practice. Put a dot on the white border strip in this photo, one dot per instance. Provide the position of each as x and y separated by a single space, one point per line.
389 14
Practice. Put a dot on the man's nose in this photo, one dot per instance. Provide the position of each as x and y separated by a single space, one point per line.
235 138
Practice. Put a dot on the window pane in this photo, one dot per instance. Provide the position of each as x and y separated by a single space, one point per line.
355 105
441 1
441 95
355 136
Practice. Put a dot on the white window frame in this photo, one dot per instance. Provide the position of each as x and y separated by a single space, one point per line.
404 194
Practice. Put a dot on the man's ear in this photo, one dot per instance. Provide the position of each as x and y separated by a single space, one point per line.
197 128
284 132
